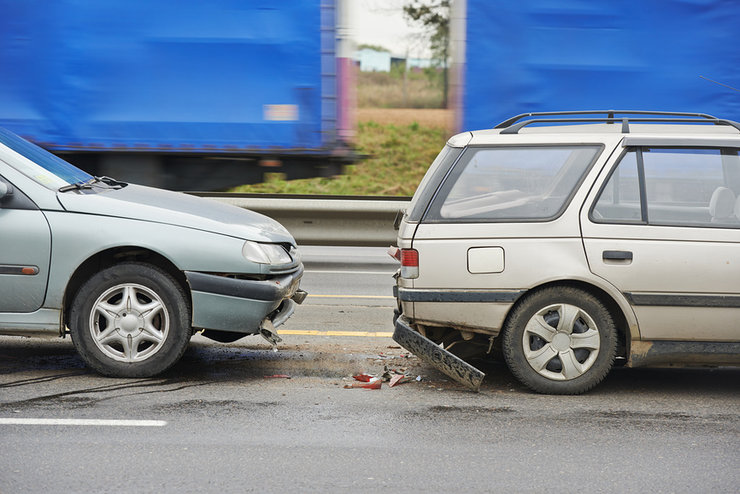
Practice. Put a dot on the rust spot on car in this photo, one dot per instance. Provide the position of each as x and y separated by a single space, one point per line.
638 351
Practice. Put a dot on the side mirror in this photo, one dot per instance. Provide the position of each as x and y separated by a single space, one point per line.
5 190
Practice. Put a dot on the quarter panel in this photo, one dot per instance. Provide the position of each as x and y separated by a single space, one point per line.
529 262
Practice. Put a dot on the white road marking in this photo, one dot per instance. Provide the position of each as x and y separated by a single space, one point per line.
84 422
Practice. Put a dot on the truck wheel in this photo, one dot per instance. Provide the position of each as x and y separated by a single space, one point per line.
130 320
560 340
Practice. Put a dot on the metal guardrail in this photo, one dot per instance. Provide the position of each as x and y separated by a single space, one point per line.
326 220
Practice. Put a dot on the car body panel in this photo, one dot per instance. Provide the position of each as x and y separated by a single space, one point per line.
161 206
42 322
25 244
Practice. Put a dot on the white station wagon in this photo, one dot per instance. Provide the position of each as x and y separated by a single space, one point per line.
572 241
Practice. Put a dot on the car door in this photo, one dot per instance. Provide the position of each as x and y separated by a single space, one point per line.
25 244
664 229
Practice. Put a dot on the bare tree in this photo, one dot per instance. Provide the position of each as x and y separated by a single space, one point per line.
434 17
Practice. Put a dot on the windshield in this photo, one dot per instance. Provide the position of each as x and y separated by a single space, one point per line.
40 165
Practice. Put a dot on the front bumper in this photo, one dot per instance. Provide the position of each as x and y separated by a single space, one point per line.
240 305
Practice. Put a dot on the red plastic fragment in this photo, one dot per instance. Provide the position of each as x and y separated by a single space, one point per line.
364 377
374 383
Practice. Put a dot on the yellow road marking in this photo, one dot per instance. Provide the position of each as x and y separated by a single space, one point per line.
310 295
313 332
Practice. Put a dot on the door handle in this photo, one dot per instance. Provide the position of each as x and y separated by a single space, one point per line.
616 255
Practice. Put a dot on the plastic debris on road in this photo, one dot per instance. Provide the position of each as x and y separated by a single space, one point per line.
391 376
364 377
398 379
372 383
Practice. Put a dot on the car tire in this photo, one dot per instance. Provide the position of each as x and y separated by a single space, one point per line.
560 340
130 320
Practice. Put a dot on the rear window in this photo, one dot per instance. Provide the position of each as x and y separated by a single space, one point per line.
511 183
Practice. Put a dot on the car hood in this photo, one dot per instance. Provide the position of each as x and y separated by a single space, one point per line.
162 206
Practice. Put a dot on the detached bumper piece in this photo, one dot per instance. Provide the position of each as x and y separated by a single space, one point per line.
437 356
281 314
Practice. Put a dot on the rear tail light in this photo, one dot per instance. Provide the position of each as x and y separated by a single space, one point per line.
409 263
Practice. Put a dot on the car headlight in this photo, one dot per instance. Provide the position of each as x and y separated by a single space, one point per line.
265 253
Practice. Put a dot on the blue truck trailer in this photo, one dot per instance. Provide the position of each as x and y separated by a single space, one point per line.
183 94
552 55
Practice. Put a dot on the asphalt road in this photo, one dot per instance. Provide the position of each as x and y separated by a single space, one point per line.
216 423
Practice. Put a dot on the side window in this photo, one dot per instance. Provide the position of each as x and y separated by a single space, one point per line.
680 187
511 183
620 199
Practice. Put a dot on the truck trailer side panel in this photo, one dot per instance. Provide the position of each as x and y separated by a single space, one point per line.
174 78
545 55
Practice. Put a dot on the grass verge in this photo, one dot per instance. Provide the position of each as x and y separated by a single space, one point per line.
399 155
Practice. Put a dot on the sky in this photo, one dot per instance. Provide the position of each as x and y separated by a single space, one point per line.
381 22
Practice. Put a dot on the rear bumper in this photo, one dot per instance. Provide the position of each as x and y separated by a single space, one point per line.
483 311
239 305
427 350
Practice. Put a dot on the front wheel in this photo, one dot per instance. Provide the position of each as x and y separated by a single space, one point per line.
560 340
130 320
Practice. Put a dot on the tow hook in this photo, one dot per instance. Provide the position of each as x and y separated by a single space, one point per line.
299 296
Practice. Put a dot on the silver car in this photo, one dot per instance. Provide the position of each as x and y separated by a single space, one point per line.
132 272
570 241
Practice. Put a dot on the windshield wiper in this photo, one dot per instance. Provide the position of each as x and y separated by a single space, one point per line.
88 184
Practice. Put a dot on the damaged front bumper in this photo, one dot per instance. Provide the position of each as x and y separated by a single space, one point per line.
428 351
241 305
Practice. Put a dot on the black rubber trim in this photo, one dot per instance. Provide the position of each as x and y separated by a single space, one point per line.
670 352
274 289
413 295
663 300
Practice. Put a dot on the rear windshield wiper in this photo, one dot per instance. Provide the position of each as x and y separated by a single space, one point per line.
88 184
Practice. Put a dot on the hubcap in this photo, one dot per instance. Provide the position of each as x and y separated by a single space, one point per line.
561 342
129 323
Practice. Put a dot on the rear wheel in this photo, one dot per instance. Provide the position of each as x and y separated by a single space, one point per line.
560 340
130 320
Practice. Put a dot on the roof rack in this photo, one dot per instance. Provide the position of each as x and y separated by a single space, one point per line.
514 124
